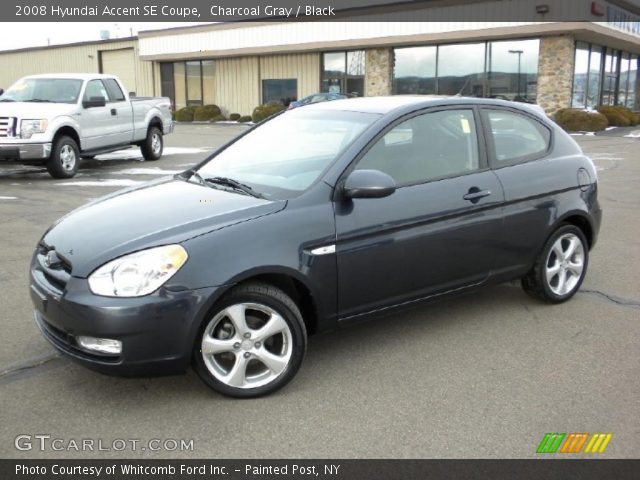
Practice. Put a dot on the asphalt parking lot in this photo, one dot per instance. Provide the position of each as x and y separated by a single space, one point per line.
483 375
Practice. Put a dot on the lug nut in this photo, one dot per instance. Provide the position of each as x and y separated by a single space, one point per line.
247 335
247 354
236 346
257 345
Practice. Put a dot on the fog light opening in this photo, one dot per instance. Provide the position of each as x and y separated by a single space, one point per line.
104 346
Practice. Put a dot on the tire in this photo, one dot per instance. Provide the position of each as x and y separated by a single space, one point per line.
153 145
232 331
65 158
565 255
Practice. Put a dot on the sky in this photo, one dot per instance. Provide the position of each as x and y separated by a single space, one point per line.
12 35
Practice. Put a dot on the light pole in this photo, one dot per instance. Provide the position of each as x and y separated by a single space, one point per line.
519 53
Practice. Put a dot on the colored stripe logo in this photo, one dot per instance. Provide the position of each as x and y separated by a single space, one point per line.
574 442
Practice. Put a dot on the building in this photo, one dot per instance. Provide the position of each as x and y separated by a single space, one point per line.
378 51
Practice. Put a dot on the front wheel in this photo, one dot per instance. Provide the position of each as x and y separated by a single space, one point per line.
561 266
253 344
153 145
64 159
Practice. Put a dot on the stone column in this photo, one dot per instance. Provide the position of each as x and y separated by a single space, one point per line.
378 72
555 72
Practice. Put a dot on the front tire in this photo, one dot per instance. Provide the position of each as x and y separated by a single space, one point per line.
560 267
64 159
153 145
253 343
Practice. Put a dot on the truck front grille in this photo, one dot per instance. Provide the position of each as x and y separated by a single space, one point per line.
7 126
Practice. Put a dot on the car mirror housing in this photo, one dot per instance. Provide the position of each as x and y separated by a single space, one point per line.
94 102
368 184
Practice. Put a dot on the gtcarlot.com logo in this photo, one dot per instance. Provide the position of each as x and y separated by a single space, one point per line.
574 443
45 442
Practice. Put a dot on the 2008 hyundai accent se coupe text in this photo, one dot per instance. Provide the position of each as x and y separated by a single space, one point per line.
315 218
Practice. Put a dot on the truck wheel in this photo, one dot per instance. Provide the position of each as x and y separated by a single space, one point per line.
64 159
153 145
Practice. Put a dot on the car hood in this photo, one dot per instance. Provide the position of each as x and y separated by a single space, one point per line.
35 110
160 213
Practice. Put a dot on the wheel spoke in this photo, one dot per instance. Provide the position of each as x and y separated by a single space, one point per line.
236 314
571 248
576 268
273 362
557 249
212 346
562 282
274 325
553 271
237 375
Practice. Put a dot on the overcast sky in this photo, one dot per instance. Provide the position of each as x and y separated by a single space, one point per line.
25 34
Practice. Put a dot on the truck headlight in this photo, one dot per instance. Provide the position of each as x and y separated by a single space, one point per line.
30 127
138 274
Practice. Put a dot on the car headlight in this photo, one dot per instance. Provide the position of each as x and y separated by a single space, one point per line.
138 274
29 127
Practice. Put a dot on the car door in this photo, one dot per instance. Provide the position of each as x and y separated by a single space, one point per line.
99 124
123 131
518 146
437 232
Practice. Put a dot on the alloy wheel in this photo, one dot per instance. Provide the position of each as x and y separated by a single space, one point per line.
565 264
68 157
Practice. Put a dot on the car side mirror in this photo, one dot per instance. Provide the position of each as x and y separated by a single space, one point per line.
368 184
94 102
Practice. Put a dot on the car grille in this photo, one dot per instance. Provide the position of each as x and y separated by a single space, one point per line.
53 268
7 126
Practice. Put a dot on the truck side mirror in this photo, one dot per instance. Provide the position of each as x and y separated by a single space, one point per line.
94 102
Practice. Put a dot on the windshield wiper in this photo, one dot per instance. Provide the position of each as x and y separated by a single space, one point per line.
230 182
192 173
39 100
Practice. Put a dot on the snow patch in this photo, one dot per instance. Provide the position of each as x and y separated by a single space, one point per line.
135 154
8 198
102 183
634 134
146 171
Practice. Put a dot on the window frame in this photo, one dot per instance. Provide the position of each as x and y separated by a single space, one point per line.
492 158
483 164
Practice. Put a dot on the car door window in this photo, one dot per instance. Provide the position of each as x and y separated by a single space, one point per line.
95 88
517 137
115 92
426 147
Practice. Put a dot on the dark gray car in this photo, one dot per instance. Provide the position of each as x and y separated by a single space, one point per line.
316 218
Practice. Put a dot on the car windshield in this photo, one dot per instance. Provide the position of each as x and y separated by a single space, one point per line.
47 90
288 153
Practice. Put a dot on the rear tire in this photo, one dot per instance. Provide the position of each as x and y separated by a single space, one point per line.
253 343
153 145
560 267
64 159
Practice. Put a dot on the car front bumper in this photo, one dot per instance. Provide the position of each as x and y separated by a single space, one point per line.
157 331
25 151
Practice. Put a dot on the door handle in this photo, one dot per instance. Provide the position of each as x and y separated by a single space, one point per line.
475 194
114 112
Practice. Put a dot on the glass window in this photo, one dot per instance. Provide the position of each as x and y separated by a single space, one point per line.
284 91
166 81
580 76
595 77
180 84
461 69
513 70
343 72
625 63
610 77
516 137
633 84
194 84
426 147
115 92
95 88
289 152
208 82
414 70
55 90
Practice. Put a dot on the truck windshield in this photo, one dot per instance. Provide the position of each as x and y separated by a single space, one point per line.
287 154
48 90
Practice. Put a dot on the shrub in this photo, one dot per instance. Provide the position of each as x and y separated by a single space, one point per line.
185 114
218 118
207 112
265 111
615 116
576 120
234 116
245 119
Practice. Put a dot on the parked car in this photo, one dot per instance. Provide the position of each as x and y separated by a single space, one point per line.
58 119
317 98
313 219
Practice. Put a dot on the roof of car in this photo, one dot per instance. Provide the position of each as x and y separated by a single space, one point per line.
78 76
383 105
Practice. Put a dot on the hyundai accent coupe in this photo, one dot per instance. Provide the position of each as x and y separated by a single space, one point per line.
311 220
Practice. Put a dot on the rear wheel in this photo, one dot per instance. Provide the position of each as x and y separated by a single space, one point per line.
253 344
561 266
64 159
153 145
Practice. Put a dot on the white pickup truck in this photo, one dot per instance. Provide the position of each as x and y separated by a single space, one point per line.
58 119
